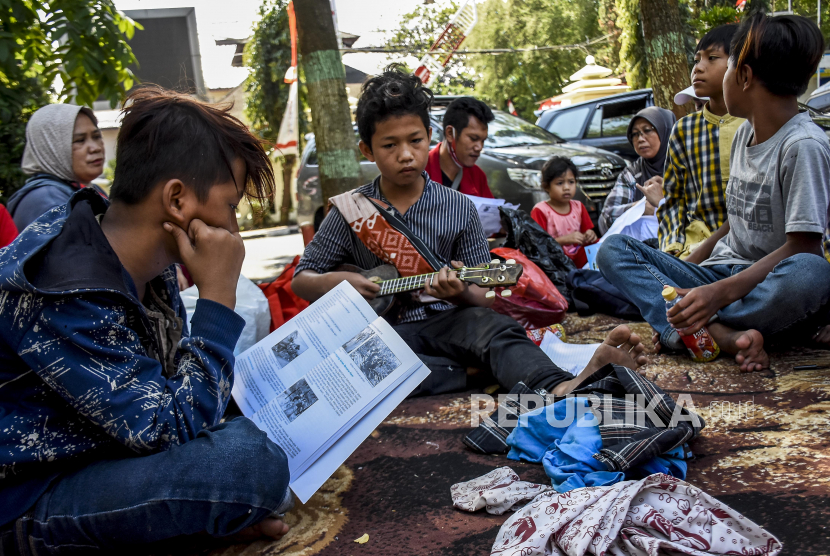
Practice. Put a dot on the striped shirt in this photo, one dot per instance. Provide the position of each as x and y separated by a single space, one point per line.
697 171
445 220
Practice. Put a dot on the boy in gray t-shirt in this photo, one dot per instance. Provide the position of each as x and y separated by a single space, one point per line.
762 274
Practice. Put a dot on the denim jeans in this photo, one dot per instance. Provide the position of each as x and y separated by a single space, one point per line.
795 294
227 478
480 337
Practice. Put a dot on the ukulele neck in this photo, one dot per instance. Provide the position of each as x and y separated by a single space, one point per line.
406 284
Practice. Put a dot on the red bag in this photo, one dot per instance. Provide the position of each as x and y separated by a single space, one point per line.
535 302
282 301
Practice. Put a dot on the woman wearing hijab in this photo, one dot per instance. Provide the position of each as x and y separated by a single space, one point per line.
64 152
648 133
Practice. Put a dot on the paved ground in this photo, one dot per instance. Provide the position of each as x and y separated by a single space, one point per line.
268 251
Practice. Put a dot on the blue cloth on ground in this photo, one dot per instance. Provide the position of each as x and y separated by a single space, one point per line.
564 436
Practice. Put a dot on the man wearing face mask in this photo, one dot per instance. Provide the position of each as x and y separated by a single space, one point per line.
453 161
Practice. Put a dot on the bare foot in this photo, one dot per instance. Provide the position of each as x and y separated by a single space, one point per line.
621 347
746 345
655 339
269 527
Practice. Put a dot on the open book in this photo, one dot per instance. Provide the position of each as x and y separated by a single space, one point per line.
322 382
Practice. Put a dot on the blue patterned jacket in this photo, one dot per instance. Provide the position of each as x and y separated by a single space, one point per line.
83 372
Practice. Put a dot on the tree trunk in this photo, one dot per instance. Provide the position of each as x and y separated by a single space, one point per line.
325 79
287 170
668 66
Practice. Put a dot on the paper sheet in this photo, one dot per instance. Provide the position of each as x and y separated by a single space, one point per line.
318 472
488 212
591 253
570 357
635 223
313 380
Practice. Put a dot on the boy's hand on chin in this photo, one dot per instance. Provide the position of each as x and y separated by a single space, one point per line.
213 257
445 284
696 308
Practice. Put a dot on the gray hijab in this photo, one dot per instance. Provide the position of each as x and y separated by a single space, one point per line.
49 140
663 121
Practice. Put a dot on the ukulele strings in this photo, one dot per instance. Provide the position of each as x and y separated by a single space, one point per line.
408 283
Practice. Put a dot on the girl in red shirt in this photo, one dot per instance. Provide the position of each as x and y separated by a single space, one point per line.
565 219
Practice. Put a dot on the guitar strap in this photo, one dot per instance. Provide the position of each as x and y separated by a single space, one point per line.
385 234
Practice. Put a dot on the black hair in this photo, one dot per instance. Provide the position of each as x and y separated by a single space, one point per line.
459 111
89 114
721 36
783 52
555 167
392 93
167 135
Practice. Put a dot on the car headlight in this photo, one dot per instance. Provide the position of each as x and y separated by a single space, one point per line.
532 179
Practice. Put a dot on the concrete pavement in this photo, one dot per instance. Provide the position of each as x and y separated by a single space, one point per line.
268 251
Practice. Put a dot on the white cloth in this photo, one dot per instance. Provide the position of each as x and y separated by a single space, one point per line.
651 517
498 491
49 141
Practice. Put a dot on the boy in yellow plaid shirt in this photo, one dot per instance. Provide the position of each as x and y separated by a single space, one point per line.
697 166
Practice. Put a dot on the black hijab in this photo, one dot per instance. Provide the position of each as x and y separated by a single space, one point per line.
662 120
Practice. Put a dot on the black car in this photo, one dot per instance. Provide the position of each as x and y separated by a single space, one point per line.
601 122
512 159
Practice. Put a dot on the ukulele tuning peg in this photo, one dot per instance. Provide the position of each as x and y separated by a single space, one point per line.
495 261
490 294
510 261
506 293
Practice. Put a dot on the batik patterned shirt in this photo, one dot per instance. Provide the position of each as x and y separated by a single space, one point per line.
84 372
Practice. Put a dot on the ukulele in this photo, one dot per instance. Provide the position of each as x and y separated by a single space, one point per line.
491 275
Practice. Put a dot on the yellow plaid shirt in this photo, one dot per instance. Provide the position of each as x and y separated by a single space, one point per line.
697 171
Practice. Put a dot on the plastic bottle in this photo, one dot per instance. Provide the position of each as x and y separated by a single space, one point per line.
701 345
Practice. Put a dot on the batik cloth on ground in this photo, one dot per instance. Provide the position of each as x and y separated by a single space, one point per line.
656 515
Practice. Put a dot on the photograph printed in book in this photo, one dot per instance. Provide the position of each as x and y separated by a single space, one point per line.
371 355
296 399
289 348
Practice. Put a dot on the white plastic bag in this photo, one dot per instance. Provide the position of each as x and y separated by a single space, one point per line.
251 305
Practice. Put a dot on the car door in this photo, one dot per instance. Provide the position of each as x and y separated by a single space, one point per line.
608 125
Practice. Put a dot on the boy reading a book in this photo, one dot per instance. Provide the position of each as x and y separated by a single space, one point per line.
110 409
762 274
450 318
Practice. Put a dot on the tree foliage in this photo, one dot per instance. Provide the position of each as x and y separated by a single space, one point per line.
64 50
417 32
633 60
268 55
530 77
714 17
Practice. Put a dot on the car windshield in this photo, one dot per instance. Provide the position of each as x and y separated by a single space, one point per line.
509 131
